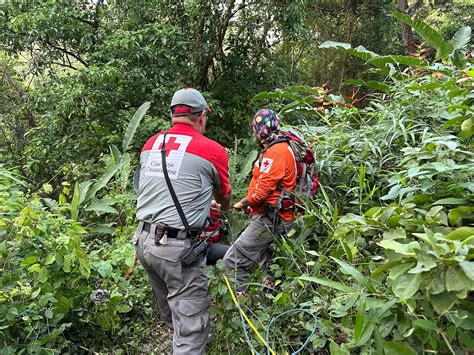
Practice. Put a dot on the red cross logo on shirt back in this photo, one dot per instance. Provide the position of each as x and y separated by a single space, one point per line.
170 145
265 164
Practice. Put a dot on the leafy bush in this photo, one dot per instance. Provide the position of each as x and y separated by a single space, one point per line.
384 255
44 272
56 287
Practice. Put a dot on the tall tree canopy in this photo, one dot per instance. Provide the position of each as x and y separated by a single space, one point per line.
83 66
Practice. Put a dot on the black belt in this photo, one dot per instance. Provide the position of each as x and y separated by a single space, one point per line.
172 232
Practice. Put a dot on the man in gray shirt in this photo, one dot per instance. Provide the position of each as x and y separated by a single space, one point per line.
198 171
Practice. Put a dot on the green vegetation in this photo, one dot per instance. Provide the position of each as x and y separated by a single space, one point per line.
384 257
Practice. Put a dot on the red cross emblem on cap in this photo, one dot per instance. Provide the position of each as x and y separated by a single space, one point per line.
170 145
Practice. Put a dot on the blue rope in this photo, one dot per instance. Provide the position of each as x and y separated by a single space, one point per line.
273 320
296 310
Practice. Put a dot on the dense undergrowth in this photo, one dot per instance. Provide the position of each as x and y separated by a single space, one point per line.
383 257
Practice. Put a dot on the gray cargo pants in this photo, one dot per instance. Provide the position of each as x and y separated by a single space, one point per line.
181 292
251 247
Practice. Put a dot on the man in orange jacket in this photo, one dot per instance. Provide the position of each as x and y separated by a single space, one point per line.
274 172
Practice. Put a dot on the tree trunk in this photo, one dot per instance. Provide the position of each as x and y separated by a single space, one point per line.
407 33
201 80
24 119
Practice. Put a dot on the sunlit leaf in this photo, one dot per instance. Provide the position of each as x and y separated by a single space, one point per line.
429 34
329 283
468 268
103 205
75 201
133 125
450 201
467 128
398 59
360 317
456 280
101 182
425 324
425 262
63 305
338 349
373 84
84 189
461 38
359 52
443 302
394 348
352 218
405 249
461 233
456 214
115 154
356 274
406 285
398 233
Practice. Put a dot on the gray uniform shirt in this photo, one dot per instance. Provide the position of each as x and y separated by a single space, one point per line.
197 166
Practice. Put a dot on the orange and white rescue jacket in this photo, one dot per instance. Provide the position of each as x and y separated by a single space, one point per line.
276 168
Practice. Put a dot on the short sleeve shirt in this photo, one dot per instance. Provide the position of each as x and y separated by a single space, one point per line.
197 167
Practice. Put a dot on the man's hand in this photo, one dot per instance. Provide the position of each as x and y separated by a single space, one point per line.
242 206
216 207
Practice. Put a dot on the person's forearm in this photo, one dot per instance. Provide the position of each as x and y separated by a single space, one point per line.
260 193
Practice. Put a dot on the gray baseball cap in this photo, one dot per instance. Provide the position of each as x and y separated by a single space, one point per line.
190 97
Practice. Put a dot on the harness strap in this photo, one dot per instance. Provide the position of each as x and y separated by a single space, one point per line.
170 186
276 141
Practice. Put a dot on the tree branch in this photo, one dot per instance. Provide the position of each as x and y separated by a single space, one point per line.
65 51
83 20
9 78
242 6
65 65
